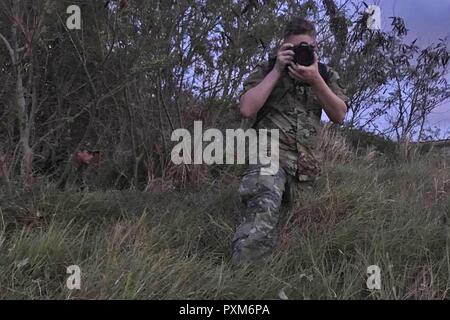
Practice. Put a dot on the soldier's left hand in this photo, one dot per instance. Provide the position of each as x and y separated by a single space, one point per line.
310 74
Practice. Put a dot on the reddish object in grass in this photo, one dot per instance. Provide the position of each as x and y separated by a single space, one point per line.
83 157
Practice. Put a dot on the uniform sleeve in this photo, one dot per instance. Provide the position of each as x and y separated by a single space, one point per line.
335 84
254 78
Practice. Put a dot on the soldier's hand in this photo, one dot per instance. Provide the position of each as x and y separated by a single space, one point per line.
310 74
285 56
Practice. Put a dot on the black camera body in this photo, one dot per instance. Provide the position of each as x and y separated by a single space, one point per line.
304 54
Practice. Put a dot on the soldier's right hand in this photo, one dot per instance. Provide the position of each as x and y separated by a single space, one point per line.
285 56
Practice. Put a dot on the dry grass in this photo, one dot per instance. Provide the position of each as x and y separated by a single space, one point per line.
333 147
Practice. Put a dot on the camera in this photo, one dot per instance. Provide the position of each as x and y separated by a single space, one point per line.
304 54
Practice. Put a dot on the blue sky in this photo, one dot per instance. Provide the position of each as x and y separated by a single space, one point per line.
427 20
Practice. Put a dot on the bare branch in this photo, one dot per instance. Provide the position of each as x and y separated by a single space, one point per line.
10 49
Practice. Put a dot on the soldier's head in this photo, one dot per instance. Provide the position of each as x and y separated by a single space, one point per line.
298 30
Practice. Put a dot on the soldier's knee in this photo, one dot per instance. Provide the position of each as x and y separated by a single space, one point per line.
255 185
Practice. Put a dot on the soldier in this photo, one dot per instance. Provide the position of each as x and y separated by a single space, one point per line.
289 97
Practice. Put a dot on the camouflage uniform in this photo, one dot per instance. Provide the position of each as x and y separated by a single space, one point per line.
296 112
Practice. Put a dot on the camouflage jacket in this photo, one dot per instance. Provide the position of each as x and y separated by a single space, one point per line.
295 111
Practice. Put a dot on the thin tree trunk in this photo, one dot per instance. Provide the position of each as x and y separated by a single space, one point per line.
26 167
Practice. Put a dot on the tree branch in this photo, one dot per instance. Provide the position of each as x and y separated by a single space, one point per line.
10 49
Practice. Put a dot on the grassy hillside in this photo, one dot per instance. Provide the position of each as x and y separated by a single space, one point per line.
364 210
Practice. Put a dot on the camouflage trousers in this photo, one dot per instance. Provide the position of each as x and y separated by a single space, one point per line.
262 197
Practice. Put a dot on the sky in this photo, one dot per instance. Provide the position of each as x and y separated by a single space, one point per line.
427 20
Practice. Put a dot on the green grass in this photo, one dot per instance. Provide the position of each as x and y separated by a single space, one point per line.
134 245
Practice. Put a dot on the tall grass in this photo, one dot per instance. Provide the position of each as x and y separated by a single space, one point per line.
362 211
